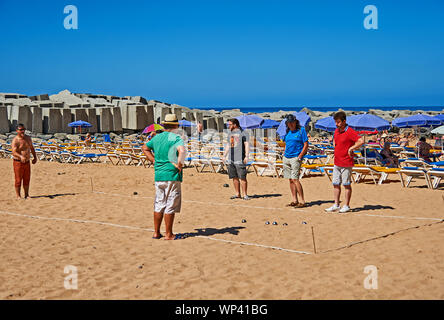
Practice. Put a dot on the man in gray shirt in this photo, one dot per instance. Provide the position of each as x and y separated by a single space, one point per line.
236 156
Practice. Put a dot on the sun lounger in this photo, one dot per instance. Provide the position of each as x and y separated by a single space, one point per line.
413 172
436 174
113 157
383 172
308 168
260 167
415 162
360 172
78 158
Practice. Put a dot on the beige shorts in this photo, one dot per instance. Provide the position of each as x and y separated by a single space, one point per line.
168 197
342 175
292 168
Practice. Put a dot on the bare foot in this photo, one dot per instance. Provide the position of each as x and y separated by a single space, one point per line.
18 198
157 236
170 237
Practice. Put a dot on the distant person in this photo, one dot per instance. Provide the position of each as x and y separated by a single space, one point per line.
296 146
404 140
424 150
388 158
345 140
88 138
168 159
236 156
21 154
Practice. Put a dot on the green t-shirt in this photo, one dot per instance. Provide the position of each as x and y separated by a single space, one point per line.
165 146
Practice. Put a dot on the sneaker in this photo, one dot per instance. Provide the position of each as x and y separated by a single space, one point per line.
333 208
344 209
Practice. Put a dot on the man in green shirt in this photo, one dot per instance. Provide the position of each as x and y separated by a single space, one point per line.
168 159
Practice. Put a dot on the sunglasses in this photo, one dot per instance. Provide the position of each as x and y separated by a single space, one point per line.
21 129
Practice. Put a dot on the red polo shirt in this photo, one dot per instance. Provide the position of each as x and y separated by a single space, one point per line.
343 141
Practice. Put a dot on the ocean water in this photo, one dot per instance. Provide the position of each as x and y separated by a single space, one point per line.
325 109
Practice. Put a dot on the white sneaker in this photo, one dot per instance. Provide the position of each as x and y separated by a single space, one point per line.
344 209
333 208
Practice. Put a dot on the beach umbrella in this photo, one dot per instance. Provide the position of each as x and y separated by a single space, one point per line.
440 117
326 124
80 124
153 127
268 124
367 122
302 117
186 123
439 130
417 120
250 121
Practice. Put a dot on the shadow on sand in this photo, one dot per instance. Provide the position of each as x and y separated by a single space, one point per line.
371 207
212 231
254 196
52 196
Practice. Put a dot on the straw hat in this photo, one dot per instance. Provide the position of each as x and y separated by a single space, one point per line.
170 118
384 135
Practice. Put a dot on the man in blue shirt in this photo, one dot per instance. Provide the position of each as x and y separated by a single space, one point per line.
296 146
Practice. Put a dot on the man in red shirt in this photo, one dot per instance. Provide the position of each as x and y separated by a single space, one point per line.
345 141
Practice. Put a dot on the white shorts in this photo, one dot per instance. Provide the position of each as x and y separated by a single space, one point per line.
342 175
168 197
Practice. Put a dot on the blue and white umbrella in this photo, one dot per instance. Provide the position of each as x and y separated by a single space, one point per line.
80 124
186 123
302 117
417 120
250 121
268 124
326 124
367 121
440 117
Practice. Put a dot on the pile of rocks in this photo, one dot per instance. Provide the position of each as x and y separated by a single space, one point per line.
50 114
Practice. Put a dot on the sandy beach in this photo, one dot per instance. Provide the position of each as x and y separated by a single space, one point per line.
105 230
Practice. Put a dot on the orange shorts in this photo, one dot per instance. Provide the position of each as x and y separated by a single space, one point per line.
22 172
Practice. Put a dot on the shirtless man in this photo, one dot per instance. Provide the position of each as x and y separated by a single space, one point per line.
21 152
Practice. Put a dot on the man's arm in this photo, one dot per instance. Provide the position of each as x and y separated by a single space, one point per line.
226 151
357 145
247 151
149 155
31 146
180 158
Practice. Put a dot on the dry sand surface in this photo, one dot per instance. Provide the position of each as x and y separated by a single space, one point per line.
117 262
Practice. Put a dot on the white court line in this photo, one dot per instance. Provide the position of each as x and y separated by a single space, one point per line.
400 217
271 208
201 202
144 229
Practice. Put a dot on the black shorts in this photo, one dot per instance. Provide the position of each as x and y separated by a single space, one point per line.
237 171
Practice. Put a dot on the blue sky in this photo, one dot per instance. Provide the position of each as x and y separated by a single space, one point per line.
228 53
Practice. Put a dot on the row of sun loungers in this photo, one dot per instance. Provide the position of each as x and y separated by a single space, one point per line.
209 156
